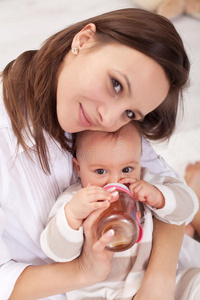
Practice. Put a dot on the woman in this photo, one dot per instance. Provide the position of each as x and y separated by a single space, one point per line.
124 65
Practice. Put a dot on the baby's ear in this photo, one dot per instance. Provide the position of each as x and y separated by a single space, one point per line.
76 164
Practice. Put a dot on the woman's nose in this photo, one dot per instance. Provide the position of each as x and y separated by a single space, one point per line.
109 118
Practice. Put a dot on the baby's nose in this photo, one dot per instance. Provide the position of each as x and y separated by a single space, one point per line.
114 178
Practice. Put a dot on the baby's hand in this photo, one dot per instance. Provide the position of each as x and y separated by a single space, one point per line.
85 201
145 192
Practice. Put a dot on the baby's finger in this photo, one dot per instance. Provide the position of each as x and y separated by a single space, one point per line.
136 188
96 189
102 195
114 196
141 198
100 205
98 198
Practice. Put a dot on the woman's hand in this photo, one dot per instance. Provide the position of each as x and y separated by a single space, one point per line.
95 260
92 266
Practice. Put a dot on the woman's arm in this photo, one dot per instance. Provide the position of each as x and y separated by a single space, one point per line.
159 280
37 282
93 266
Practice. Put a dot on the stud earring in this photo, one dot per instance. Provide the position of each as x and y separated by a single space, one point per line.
75 50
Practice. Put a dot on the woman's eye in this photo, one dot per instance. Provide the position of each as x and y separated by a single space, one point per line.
127 170
117 86
130 114
100 171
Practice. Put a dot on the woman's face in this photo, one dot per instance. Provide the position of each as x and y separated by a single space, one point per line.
106 87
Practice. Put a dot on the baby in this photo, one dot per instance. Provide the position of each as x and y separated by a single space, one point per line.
102 158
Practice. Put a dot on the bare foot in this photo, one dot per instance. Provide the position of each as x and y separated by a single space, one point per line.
192 178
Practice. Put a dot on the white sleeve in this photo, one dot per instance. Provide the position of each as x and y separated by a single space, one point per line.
9 270
58 240
180 205
181 202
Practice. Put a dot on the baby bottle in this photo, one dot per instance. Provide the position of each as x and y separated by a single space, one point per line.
122 218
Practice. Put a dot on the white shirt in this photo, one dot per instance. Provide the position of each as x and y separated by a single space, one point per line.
27 196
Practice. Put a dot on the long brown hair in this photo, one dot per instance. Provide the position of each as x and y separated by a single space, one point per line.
29 82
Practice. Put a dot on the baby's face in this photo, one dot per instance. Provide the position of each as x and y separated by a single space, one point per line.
103 158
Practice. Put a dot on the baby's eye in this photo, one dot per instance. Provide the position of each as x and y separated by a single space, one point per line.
100 171
127 170
130 114
117 86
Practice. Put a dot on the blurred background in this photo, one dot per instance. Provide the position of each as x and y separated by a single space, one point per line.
25 24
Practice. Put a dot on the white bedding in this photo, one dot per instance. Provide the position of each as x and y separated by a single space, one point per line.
25 24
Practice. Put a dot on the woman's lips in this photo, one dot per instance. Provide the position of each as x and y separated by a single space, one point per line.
84 120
